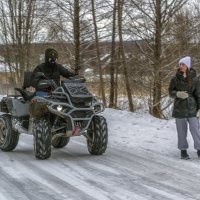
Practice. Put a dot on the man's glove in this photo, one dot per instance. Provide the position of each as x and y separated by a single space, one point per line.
78 78
198 113
182 95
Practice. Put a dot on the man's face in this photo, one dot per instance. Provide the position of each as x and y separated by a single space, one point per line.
52 56
52 59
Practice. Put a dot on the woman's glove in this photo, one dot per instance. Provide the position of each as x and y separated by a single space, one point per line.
198 113
182 95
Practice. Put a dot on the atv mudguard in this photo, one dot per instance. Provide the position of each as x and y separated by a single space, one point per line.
3 113
38 107
17 107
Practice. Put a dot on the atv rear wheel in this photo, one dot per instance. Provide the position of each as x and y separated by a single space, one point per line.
8 137
97 136
42 138
59 142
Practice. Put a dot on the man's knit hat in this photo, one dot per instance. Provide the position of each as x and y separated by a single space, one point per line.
50 55
186 60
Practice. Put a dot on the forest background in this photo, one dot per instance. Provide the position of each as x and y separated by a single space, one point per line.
127 49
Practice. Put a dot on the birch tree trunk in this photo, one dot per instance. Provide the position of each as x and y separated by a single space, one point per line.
98 54
112 62
156 109
122 53
76 26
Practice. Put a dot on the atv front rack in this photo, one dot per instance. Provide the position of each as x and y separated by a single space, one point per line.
79 118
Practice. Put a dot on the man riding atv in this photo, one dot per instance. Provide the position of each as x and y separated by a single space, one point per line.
63 110
52 71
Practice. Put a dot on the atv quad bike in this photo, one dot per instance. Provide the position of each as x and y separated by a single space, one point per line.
70 110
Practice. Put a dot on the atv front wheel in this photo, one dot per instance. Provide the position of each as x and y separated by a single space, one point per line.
59 142
42 138
8 137
97 136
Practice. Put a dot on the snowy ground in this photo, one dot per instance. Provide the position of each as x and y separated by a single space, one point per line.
141 163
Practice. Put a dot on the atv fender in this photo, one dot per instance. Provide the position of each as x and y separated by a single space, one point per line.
4 113
38 108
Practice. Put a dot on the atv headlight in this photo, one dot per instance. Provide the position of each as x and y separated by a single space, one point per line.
59 108
98 108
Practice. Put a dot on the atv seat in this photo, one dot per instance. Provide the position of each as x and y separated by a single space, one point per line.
27 83
27 79
25 94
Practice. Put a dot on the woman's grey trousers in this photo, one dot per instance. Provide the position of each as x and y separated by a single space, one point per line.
182 129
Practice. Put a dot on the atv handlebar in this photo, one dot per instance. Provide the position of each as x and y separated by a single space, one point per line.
78 78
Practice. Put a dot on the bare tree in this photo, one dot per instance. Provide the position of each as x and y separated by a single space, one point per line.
151 24
18 29
76 25
113 56
98 53
122 54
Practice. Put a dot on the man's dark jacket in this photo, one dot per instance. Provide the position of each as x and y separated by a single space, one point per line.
51 71
184 108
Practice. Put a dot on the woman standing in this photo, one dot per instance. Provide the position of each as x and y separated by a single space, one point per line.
185 89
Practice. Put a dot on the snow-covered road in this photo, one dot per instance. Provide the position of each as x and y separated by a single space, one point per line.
141 163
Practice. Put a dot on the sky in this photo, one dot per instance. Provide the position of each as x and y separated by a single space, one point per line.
142 162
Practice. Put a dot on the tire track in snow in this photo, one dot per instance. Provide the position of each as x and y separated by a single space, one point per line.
72 174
